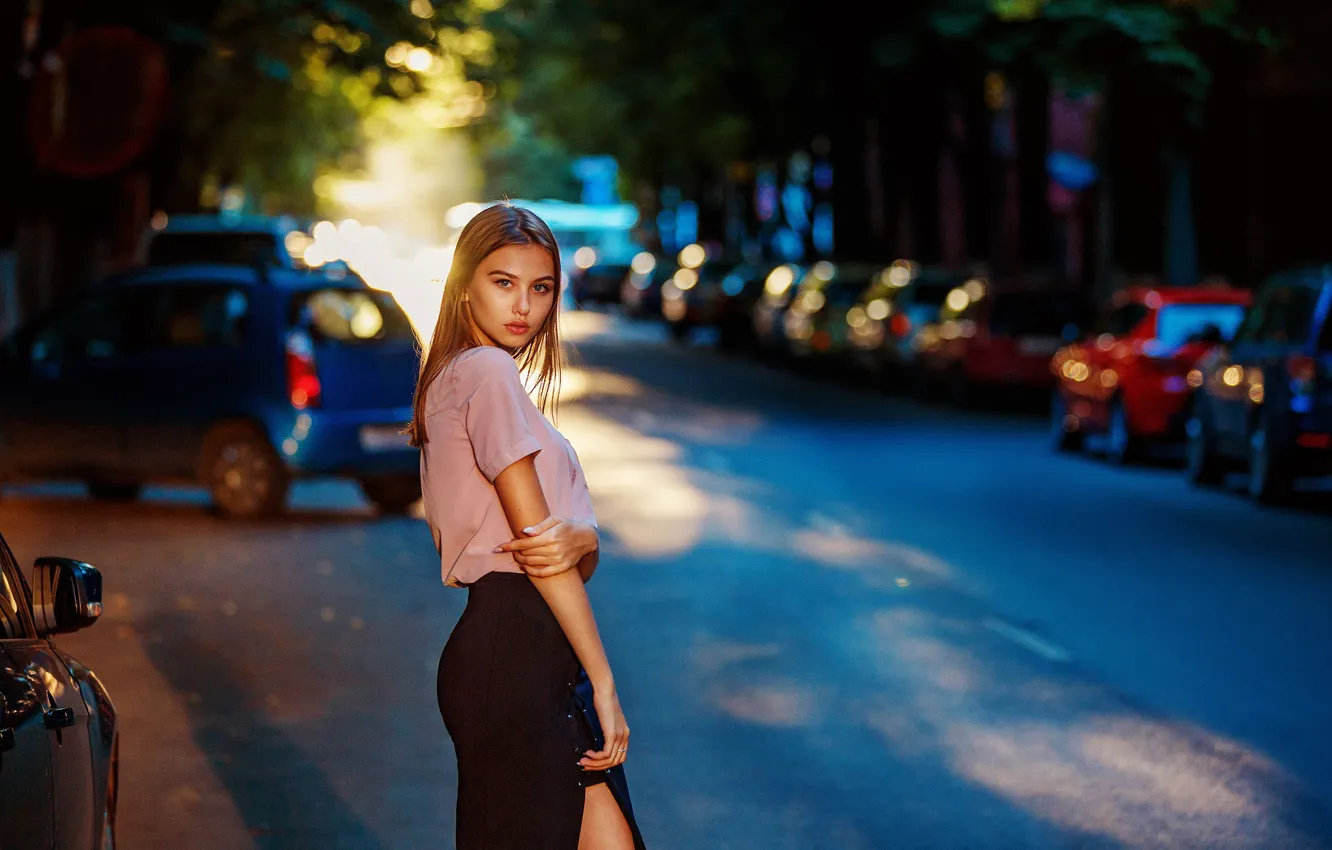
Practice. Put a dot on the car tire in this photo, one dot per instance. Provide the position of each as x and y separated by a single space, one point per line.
1061 438
1203 466
1270 482
393 495
1122 448
243 473
107 491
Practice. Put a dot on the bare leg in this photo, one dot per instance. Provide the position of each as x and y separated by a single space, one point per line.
604 826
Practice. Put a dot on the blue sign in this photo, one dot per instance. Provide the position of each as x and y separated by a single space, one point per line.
1071 171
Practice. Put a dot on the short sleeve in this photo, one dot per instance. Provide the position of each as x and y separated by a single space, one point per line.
495 410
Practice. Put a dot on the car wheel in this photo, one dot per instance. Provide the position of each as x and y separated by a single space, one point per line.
243 474
393 495
1202 464
114 492
1121 446
1269 481
1062 437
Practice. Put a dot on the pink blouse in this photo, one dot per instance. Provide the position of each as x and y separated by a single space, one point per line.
478 421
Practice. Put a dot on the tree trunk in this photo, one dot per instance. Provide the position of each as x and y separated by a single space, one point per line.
1033 147
1181 239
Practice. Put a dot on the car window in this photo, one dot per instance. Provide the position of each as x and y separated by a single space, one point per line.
844 292
194 316
13 597
1283 315
242 249
92 328
1176 323
933 294
1120 321
352 316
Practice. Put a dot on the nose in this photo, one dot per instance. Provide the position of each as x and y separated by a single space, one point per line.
523 305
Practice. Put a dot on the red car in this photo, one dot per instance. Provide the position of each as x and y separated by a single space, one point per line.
1132 379
996 340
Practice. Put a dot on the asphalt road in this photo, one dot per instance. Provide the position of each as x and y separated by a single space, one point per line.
837 621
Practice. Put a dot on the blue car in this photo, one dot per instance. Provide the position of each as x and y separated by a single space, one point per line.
239 378
1264 398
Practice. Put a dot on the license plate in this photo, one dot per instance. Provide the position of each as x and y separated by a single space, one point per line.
383 438
1039 345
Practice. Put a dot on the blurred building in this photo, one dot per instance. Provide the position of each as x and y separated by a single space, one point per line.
88 95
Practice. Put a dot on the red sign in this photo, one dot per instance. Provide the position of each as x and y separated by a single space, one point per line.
97 102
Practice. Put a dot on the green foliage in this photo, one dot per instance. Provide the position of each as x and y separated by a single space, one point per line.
666 89
269 91
1167 45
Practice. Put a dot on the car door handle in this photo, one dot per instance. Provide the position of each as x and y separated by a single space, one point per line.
6 740
58 718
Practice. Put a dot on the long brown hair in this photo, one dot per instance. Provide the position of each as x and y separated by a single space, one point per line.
495 227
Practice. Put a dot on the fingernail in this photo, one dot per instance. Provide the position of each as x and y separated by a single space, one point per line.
498 549
530 529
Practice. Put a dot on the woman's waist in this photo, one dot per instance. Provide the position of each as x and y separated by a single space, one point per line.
508 591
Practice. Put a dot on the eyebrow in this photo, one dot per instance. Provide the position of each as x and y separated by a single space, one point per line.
543 279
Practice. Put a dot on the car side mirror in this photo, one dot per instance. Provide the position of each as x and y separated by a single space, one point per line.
66 595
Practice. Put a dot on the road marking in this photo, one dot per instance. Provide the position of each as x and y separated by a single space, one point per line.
1027 640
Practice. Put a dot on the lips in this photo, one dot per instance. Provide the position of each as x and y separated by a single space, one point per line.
517 327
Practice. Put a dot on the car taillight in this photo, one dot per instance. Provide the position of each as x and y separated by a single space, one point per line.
302 380
1303 371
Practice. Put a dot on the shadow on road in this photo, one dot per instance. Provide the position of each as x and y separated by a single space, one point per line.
286 799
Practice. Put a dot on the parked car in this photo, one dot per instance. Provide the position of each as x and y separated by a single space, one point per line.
277 241
767 317
741 289
1264 401
1129 380
692 298
238 378
819 320
988 341
897 304
640 290
598 283
59 741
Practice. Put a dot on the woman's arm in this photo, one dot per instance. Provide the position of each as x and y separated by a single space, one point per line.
524 504
587 565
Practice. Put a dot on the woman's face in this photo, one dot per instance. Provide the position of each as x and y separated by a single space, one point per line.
511 294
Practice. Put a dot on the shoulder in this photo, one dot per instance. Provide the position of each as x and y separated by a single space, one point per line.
485 366
484 361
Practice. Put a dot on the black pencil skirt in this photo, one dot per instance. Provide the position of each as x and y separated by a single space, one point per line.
519 709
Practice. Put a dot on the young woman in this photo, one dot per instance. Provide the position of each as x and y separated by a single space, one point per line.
525 689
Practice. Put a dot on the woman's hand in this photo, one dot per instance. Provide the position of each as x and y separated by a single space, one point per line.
552 546
613 726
